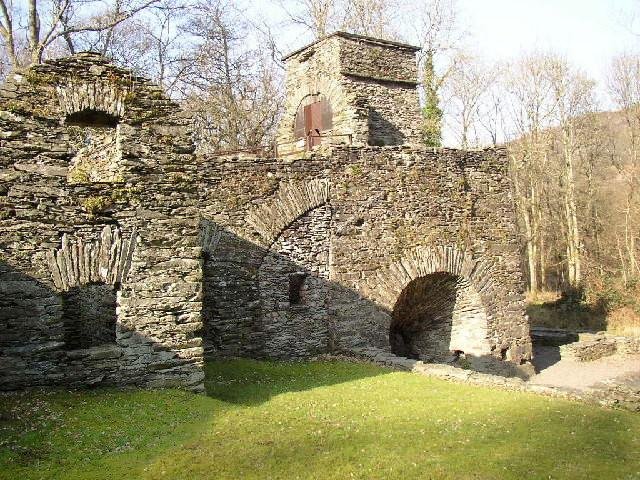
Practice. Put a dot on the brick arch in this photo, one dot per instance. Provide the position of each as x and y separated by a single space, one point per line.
291 201
79 262
388 283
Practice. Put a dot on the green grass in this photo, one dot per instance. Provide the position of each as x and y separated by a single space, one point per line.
324 420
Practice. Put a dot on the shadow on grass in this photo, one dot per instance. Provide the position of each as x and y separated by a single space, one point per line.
403 426
251 382
442 430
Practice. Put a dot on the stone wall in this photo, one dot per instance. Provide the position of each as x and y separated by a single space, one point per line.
382 77
122 251
100 275
592 346
359 224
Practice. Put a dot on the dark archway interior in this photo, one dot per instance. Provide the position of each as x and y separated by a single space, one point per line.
422 317
92 118
89 316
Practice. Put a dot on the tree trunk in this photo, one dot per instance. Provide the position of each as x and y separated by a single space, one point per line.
571 216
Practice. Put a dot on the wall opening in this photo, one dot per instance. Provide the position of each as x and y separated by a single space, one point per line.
95 146
439 317
296 284
91 118
314 119
89 316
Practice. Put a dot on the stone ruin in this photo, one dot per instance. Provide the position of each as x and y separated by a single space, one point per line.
126 258
350 89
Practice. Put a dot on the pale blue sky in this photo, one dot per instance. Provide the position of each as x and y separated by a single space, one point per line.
588 32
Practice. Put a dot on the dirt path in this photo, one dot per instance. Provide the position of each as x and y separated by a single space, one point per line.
579 375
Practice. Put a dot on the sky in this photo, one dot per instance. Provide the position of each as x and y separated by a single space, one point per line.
588 32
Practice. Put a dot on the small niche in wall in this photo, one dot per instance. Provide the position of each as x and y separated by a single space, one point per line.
92 118
89 316
94 145
296 285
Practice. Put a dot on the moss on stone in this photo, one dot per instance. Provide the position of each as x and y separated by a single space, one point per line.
95 205
37 78
79 175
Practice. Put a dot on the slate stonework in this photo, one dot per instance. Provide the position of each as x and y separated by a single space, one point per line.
132 235
258 257
397 214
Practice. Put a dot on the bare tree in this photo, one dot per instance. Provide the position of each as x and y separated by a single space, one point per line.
374 18
322 17
155 44
531 110
468 83
573 98
624 88
28 33
439 35
492 109
232 89
319 17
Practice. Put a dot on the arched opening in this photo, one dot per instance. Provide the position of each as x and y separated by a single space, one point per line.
293 285
91 118
439 317
93 139
89 316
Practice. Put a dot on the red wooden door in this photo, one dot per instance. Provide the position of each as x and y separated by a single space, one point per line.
313 123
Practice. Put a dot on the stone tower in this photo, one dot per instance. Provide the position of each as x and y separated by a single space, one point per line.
348 88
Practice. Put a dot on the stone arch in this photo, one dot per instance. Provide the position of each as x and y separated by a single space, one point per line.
328 88
76 96
439 317
453 287
92 111
294 289
78 261
387 284
88 274
292 200
327 114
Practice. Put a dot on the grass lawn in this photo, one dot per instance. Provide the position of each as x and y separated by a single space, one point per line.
326 420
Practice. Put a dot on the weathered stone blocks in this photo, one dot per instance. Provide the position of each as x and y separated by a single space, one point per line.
241 256
90 294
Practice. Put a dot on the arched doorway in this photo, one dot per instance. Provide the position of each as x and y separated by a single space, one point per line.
294 288
438 317
314 119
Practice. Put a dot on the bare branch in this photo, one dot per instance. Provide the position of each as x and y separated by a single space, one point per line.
99 28
6 30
